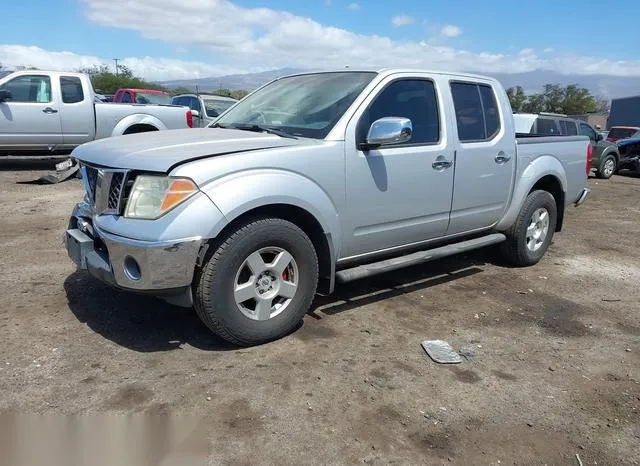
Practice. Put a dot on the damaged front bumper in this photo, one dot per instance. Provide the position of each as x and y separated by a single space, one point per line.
164 269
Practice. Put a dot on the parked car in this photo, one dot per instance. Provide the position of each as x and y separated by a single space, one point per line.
354 173
142 96
621 132
205 107
50 110
629 149
605 154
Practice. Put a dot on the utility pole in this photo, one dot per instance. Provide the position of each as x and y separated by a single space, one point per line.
116 60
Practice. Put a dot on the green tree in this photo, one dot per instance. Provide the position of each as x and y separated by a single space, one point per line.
554 98
517 98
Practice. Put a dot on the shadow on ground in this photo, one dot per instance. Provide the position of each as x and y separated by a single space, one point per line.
45 163
350 296
137 322
146 324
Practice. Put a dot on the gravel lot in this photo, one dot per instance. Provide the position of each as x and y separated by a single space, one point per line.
552 363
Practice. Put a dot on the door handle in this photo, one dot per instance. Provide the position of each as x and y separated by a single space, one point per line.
49 110
441 163
502 158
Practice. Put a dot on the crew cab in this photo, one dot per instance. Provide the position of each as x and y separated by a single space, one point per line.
54 111
316 179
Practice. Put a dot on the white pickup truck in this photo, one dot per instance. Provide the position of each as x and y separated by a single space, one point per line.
316 179
55 112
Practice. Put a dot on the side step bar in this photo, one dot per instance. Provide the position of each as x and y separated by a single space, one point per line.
375 268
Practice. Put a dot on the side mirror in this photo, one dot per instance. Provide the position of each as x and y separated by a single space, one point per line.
388 131
599 137
195 113
5 95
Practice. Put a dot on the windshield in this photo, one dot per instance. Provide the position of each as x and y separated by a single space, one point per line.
307 105
635 135
215 107
144 98
621 133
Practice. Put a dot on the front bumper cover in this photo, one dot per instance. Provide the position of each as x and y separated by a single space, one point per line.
146 266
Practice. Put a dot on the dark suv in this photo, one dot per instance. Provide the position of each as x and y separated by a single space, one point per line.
605 153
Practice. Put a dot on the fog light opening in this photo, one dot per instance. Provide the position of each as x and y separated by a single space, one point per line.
132 269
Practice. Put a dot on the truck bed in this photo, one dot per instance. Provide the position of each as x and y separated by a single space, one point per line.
570 151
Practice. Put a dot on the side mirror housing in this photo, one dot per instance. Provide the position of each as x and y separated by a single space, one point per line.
5 95
388 131
599 137
195 113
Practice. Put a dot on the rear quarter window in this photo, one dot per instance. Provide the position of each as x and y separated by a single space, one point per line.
547 126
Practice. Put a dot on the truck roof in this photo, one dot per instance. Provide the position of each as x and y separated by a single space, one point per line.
390 71
52 73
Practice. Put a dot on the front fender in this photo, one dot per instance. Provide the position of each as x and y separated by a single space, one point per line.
545 165
137 119
241 192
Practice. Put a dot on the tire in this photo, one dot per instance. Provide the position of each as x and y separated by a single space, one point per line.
607 167
253 255
522 248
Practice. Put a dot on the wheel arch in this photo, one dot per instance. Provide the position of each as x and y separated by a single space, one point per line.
322 240
553 186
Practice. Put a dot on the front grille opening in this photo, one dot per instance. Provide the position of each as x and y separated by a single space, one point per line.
115 191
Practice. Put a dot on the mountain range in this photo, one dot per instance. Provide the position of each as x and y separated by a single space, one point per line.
603 86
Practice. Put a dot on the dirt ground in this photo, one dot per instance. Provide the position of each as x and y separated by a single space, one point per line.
551 369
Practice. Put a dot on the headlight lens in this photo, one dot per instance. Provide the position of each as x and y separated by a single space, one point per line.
153 196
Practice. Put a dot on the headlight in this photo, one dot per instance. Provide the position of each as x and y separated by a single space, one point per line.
153 196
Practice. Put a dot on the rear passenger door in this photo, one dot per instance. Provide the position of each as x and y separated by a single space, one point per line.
78 122
485 158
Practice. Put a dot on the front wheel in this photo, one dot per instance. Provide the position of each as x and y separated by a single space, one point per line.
259 283
530 236
607 167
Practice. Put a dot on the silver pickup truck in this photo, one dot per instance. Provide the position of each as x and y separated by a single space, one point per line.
53 111
314 179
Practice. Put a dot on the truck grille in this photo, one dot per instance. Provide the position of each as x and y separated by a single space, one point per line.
105 188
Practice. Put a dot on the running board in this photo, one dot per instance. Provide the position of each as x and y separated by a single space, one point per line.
375 268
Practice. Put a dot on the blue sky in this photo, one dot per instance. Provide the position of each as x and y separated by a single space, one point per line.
195 38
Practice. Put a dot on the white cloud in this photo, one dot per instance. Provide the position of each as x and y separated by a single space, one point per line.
451 31
402 20
151 68
255 39
354 6
548 50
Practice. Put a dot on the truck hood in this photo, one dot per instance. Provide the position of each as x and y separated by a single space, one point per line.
160 151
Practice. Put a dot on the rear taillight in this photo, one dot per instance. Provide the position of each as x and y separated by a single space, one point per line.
589 158
189 119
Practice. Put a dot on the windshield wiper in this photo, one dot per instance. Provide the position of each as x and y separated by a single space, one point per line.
256 128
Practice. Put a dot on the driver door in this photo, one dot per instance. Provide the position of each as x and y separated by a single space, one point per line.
400 194
30 119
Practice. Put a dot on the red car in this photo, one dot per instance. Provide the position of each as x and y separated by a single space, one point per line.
621 132
141 96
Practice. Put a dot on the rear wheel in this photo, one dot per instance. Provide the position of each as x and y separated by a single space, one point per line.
530 236
259 283
607 167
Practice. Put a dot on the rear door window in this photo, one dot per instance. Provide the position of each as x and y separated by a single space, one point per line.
477 112
570 128
126 98
71 88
